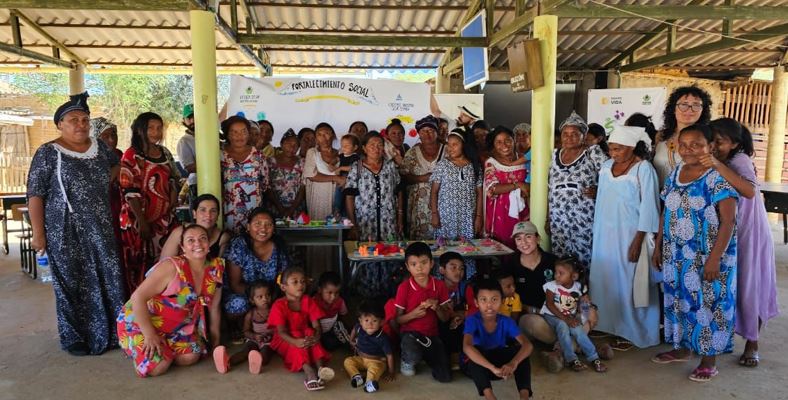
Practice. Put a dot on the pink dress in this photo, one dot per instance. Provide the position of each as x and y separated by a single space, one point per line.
757 279
497 221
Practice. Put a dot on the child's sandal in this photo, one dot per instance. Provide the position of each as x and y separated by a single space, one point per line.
313 385
599 366
577 366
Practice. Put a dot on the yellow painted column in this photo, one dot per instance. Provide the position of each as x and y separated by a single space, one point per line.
442 82
206 118
775 152
543 122
76 80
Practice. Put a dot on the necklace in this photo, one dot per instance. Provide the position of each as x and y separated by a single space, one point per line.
624 171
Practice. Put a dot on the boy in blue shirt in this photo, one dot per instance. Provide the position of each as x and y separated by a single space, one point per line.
373 348
486 344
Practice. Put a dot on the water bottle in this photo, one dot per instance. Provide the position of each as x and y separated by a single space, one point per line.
43 267
585 309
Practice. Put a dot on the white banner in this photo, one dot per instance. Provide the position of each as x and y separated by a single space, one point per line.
305 102
608 107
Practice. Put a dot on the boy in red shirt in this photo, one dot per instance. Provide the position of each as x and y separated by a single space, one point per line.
334 335
421 300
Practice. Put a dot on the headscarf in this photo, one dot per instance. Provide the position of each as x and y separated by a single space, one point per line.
428 121
290 133
77 102
99 125
574 120
629 136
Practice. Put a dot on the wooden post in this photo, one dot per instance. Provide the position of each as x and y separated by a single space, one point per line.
613 79
775 152
442 82
76 79
206 118
543 121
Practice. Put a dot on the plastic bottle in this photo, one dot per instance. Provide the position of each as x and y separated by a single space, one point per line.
44 273
585 309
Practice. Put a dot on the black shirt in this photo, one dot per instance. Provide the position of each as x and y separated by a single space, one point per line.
346 161
528 284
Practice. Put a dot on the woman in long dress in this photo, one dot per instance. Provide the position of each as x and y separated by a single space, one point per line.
505 189
625 218
416 169
68 198
318 175
287 168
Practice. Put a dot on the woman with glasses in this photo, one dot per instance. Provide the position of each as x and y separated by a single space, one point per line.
687 105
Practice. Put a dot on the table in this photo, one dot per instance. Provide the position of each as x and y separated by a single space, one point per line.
6 201
316 235
775 197
492 248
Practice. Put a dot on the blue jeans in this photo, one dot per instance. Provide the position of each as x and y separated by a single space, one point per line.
565 334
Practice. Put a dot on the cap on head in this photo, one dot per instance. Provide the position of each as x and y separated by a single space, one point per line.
526 227
188 110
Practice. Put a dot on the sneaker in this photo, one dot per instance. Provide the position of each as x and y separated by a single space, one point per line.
371 387
357 381
407 369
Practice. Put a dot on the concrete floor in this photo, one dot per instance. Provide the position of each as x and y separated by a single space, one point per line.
32 366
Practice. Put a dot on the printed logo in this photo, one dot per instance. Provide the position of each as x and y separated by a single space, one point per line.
399 105
646 100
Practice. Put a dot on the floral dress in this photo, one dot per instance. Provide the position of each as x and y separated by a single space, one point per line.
375 200
252 269
245 183
419 214
151 181
498 222
571 212
699 315
286 181
86 273
177 314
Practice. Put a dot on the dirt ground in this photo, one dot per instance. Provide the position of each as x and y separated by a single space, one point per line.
32 366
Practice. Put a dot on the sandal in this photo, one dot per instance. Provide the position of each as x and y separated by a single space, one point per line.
703 374
622 345
667 358
221 360
750 360
599 366
577 365
313 385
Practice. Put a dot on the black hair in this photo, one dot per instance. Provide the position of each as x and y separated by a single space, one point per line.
290 271
229 122
395 122
736 132
250 288
490 139
352 138
279 242
643 121
703 129
577 267
189 227
304 131
372 307
448 256
480 124
443 120
669 115
204 197
470 151
418 249
139 130
503 273
366 129
329 278
369 136
598 131
487 284
267 122
327 126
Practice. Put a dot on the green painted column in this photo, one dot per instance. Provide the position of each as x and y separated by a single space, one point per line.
543 121
775 151
206 118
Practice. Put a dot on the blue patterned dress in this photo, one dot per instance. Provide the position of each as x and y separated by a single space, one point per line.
699 315
252 269
81 242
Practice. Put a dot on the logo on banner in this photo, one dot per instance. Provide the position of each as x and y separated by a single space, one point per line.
646 100
399 105
248 98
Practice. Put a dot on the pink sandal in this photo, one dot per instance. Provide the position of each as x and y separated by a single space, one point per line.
255 362
221 360
703 375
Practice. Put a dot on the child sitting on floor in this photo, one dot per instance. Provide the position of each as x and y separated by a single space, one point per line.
258 334
421 300
562 297
486 343
372 347
297 336
452 268
511 306
327 298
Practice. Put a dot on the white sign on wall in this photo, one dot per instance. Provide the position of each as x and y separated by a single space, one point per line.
609 107
305 102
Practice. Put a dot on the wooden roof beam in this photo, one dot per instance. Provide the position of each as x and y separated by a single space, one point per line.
360 41
727 43
35 56
120 5
573 10
51 39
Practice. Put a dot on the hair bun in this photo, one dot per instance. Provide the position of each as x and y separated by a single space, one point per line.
396 121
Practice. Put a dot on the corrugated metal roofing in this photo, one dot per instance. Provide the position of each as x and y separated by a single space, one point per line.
113 38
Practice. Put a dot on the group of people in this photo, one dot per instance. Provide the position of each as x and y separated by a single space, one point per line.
646 228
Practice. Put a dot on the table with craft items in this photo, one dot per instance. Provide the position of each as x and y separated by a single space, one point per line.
315 234
775 197
7 201
473 248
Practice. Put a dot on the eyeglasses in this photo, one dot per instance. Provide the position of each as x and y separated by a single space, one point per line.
684 107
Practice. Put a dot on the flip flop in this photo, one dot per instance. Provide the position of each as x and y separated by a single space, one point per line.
221 360
667 358
255 362
703 375
313 385
750 361
622 345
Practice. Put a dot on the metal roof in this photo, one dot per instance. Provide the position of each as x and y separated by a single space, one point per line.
162 38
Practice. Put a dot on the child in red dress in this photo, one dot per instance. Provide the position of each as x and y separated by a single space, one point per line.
295 318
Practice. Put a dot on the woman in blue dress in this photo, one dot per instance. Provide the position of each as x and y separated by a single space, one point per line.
696 248
626 216
68 199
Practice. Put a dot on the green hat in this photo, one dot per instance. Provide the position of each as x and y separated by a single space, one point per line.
188 110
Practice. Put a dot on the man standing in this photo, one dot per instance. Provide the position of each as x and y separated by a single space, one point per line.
186 150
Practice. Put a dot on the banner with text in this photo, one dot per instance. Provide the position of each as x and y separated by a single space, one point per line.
608 107
305 102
